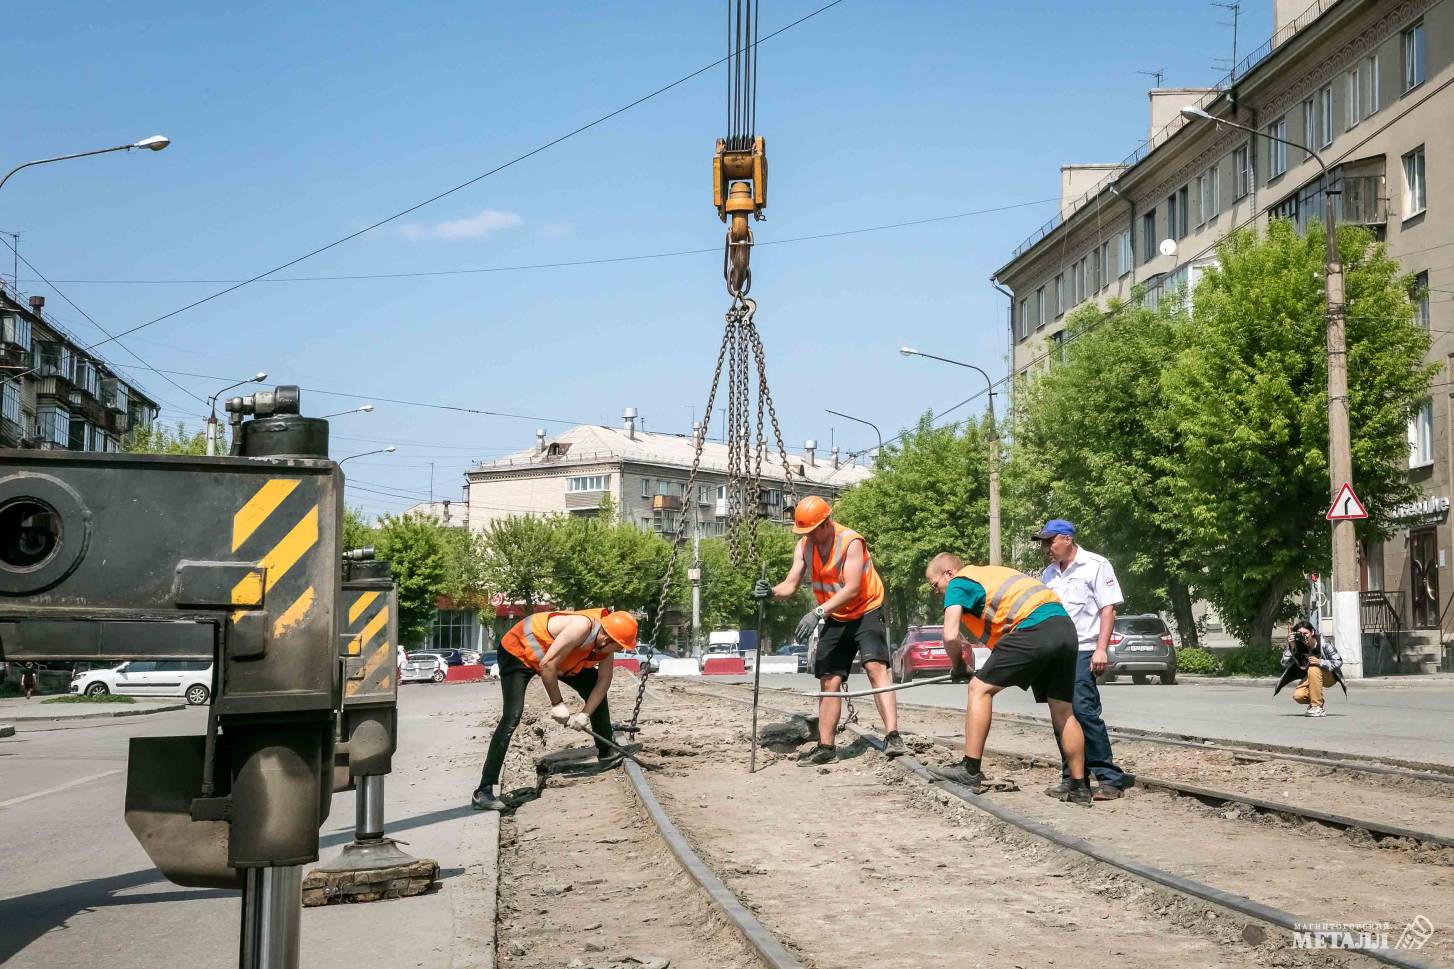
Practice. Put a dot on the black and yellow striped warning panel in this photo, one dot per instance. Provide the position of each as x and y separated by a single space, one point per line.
368 637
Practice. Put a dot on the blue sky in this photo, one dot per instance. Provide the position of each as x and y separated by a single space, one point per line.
292 127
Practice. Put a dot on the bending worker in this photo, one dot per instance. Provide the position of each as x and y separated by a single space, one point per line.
559 647
1032 645
849 618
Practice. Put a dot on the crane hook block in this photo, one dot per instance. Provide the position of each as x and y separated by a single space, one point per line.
730 167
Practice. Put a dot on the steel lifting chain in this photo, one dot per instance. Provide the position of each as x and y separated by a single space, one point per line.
741 350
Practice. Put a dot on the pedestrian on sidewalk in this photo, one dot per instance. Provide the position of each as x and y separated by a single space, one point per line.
1313 662
1086 584
575 648
848 620
29 681
1032 645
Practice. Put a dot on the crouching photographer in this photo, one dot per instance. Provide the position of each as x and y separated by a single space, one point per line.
1312 661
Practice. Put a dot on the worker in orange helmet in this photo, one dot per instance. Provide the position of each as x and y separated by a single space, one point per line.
848 620
571 647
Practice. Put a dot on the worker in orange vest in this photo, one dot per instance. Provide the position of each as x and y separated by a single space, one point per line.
575 648
1033 645
848 620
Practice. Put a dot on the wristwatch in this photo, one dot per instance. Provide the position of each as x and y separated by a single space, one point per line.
819 611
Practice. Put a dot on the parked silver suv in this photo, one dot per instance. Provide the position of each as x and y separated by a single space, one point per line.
1141 645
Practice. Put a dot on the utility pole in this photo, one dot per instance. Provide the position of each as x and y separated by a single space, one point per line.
695 574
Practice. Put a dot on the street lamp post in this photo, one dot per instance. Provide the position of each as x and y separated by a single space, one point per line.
992 438
154 143
383 450
212 424
860 420
365 409
1347 627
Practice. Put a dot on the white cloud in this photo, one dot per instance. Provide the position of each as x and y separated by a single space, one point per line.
484 223
554 230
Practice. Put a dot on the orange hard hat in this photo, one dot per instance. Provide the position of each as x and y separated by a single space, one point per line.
811 512
620 626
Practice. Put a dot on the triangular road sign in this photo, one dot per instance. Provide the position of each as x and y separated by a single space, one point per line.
1346 507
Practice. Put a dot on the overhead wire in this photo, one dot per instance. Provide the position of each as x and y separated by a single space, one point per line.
461 186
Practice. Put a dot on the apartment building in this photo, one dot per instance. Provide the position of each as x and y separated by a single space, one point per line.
1366 84
54 395
644 476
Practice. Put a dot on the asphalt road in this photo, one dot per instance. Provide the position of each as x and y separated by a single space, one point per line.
76 888
1413 721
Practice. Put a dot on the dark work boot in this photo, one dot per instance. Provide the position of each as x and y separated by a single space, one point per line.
894 745
821 754
485 800
960 774
1059 790
1079 792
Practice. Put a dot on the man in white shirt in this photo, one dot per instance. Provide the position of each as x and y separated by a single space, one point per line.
1087 587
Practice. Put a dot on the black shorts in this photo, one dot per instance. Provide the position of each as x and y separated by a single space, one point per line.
1041 658
841 641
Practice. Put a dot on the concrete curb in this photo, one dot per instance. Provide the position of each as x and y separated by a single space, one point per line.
476 908
163 708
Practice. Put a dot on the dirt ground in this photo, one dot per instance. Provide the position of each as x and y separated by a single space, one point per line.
584 879
1301 868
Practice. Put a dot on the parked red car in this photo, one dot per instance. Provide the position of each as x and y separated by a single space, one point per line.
920 654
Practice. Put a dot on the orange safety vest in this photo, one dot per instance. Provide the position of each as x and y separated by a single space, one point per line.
827 576
1010 597
530 639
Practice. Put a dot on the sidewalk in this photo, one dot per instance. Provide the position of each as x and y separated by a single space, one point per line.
21 710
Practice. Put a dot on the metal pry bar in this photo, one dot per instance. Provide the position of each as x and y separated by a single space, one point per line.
882 689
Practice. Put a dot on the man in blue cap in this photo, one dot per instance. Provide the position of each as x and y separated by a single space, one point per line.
1087 586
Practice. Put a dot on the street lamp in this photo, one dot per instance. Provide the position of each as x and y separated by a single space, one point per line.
860 420
212 425
992 437
365 409
1347 632
383 450
154 143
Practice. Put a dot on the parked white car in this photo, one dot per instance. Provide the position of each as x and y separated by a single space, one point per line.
149 677
424 667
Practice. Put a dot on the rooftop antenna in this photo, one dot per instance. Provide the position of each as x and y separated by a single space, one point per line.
15 248
1236 9
1159 74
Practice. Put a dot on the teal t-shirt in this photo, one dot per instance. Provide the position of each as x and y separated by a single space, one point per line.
970 595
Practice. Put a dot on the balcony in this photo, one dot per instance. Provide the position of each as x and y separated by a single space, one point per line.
583 500
666 503
53 385
12 434
1363 201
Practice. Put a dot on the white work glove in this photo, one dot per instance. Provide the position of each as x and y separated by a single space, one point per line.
560 713
579 721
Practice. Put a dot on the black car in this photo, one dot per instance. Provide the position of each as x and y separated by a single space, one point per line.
451 657
800 650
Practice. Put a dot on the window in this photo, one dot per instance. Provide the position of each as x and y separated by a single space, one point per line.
1241 173
1370 86
588 482
1024 318
704 495
1039 307
1310 122
1126 253
1080 290
10 401
1419 293
1060 296
83 375
646 487
1177 205
15 329
1286 209
1148 236
1057 346
1415 190
1421 436
1105 254
1413 47
1098 275
1212 202
53 424
1276 150
1325 117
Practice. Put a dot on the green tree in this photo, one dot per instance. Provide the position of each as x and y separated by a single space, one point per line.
1090 447
727 601
516 558
158 439
929 494
602 561
357 532
414 546
1246 398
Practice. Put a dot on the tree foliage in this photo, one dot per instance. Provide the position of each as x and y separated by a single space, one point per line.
727 601
414 546
930 494
1246 397
357 532
159 439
